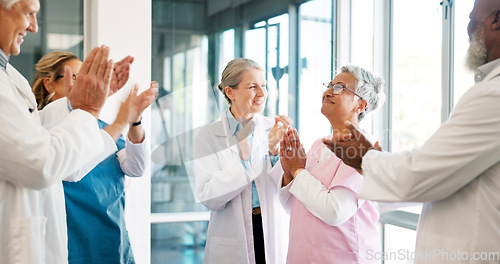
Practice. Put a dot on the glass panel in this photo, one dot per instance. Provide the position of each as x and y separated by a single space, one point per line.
362 33
226 52
255 45
464 79
315 67
277 71
274 57
185 102
178 242
278 63
60 27
181 107
226 48
362 44
417 72
399 246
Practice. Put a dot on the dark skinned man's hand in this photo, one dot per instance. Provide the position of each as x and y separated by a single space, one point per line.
351 148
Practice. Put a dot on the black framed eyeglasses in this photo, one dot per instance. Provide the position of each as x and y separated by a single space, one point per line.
62 76
337 88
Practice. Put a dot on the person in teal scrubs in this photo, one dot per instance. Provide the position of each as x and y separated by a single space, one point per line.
95 195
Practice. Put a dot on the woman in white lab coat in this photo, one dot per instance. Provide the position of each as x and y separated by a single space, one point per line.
237 173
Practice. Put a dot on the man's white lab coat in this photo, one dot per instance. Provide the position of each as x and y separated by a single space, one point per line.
225 187
456 173
32 165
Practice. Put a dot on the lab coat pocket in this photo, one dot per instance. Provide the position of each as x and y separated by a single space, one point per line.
322 254
225 251
27 241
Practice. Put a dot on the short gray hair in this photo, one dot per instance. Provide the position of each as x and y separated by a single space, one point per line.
7 4
231 76
369 86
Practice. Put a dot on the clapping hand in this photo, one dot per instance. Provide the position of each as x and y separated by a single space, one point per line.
292 154
281 124
90 90
131 112
351 148
120 74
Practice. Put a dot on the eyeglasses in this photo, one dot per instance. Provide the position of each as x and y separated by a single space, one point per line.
337 88
62 76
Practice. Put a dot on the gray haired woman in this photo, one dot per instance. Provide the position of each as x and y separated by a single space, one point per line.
328 223
237 173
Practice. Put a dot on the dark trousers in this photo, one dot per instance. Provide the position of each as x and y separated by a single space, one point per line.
258 239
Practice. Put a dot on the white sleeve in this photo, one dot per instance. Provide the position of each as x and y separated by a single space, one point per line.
458 152
134 157
53 114
334 206
109 149
34 157
285 195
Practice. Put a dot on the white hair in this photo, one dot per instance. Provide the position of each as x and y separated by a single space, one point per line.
369 86
7 4
477 54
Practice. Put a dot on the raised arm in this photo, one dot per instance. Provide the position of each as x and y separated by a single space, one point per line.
457 153
134 158
37 157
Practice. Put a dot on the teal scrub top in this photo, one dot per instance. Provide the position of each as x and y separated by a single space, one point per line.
95 219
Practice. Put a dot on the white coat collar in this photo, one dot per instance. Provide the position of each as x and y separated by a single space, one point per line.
260 132
222 129
494 73
22 85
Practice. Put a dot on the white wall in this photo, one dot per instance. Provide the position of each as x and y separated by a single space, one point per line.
125 26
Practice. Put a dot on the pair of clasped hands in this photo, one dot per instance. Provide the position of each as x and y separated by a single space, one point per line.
98 78
283 139
350 147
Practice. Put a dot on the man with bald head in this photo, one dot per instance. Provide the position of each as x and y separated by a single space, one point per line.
456 173
35 160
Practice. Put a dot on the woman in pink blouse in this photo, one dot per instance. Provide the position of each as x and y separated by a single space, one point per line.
328 223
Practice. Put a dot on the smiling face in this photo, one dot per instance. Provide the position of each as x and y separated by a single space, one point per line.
15 23
249 97
338 108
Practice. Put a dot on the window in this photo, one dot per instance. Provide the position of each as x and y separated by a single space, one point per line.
185 102
181 242
416 87
362 45
416 99
362 34
267 44
226 48
417 90
463 78
315 68
400 251
181 109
